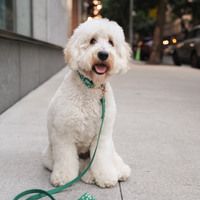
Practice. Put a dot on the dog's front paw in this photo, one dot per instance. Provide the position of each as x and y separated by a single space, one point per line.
59 178
88 177
107 180
124 172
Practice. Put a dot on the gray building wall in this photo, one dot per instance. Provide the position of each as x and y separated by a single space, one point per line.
34 54
24 66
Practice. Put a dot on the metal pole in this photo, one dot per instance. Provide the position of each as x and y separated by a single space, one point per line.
79 11
131 23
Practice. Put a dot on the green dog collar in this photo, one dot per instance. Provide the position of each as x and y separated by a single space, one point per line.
88 82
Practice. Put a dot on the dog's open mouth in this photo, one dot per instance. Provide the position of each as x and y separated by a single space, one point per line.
99 68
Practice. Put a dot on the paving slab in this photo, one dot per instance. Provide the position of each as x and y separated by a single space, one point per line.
157 131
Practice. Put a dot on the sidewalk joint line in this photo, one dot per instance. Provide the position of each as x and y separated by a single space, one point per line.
120 189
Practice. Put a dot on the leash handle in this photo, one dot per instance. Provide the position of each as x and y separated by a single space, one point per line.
40 193
43 193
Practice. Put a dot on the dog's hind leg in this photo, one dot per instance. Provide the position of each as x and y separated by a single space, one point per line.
48 158
88 177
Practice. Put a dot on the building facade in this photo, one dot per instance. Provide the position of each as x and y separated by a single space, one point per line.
32 36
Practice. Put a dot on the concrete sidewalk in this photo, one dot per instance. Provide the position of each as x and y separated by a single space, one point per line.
157 132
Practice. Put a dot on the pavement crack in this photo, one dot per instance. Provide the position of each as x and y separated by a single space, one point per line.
120 189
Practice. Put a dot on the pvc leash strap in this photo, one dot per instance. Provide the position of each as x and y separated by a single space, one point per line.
43 193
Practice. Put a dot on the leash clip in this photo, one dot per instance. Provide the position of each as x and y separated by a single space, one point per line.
103 90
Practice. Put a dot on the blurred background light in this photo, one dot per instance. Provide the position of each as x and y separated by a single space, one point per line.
166 42
174 41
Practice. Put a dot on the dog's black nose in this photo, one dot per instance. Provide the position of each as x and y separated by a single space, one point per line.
103 55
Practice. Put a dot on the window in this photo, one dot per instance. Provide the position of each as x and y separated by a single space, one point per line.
15 16
44 20
6 15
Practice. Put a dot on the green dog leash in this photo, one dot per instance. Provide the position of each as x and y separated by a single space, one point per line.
43 193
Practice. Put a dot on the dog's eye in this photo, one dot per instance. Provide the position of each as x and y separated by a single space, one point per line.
92 41
111 42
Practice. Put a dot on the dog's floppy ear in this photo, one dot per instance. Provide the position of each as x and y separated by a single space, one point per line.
71 54
124 57
66 52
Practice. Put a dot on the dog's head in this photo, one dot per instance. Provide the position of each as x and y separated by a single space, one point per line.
97 49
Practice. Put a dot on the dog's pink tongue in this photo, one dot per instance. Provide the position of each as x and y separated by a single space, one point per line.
100 68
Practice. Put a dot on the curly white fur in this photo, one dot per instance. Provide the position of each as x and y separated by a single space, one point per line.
74 114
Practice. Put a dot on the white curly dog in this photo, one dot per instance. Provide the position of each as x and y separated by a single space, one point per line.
96 51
